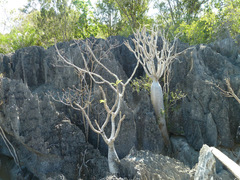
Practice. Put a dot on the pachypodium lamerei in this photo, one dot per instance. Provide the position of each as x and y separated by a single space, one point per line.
73 97
155 63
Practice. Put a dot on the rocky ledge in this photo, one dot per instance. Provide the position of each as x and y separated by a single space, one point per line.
50 140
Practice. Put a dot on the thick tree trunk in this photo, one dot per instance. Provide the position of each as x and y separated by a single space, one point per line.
158 105
113 159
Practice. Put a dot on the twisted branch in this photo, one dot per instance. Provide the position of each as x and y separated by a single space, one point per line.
72 96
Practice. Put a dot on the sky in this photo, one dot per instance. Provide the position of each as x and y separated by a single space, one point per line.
14 5
5 15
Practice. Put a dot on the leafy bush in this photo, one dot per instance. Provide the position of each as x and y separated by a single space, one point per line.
23 35
144 82
219 20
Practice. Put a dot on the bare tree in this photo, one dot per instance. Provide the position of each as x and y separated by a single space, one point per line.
155 64
229 92
74 97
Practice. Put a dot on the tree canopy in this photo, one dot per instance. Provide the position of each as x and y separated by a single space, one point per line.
43 21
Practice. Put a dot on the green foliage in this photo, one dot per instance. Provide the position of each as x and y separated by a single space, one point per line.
170 98
55 21
143 83
116 83
171 105
198 21
61 22
22 36
203 30
86 24
220 19
121 17
102 101
172 13
110 22
229 16
133 13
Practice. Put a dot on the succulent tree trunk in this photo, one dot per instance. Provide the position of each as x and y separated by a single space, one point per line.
69 97
112 159
155 63
158 105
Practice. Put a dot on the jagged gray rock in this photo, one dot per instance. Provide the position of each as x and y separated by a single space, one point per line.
50 77
183 151
205 115
146 165
32 122
44 142
206 167
147 131
113 177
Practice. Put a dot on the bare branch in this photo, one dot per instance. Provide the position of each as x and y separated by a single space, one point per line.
105 101
229 92
80 99
96 59
88 119
146 51
156 63
81 70
118 127
10 147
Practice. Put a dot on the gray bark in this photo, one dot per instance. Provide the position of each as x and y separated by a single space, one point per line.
113 159
158 105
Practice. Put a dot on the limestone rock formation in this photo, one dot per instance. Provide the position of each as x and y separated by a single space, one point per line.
147 165
48 136
183 151
206 116
206 168
45 142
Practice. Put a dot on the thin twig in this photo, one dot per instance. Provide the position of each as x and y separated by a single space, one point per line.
10 147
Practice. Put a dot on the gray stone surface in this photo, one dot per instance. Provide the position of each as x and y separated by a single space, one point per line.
43 141
209 167
183 152
206 167
45 131
147 165
147 131
205 114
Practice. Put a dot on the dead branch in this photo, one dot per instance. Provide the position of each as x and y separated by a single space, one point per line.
10 147
229 92
155 63
80 99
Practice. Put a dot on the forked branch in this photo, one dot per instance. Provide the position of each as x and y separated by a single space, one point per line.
229 92
155 63
79 99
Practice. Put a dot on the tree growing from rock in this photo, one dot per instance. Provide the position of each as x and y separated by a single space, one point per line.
229 92
76 97
155 63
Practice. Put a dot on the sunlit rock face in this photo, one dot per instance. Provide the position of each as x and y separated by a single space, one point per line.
49 136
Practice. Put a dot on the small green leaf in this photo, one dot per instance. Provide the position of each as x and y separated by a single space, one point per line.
118 81
162 112
102 101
